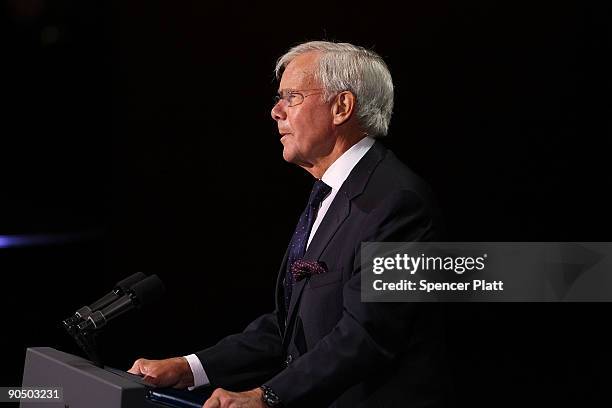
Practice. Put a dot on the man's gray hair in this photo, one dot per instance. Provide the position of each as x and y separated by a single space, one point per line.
346 67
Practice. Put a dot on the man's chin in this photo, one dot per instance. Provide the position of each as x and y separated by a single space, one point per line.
288 153
293 157
288 156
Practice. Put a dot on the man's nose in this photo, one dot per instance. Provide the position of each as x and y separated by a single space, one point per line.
278 112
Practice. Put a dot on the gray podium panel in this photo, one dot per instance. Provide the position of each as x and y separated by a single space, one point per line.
84 385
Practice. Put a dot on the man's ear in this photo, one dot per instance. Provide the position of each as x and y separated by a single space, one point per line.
343 107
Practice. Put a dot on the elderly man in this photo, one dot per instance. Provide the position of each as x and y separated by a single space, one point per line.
322 346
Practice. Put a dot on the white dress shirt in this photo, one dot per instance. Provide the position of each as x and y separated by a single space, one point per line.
334 177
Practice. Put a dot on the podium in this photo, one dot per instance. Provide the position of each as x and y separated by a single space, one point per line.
84 384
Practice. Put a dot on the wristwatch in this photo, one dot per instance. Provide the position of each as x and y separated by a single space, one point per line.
270 398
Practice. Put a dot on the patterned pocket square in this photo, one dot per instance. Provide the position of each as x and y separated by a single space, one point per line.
303 269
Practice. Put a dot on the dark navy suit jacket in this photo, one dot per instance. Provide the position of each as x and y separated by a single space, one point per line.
329 348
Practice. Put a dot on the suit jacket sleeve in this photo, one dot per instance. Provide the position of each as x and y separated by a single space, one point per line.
368 336
245 360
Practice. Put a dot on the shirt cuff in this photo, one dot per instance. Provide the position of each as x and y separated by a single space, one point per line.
199 375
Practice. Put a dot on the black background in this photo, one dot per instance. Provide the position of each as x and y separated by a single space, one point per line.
144 128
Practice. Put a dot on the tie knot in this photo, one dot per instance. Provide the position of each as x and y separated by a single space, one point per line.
319 191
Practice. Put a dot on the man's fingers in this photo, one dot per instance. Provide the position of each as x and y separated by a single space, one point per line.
221 398
215 399
137 367
170 372
150 380
212 402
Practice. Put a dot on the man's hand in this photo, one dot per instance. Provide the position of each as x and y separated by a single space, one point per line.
171 372
221 398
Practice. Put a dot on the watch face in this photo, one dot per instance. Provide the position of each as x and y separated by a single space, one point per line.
272 399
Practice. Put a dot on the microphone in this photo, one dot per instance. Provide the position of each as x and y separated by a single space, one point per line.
139 295
119 290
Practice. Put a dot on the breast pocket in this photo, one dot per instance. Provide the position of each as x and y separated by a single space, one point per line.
324 279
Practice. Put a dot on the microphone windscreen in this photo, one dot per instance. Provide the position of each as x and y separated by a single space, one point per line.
148 290
130 281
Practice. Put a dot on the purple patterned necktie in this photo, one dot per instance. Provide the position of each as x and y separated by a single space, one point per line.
297 246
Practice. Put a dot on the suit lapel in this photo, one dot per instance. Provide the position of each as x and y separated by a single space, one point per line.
335 216
337 213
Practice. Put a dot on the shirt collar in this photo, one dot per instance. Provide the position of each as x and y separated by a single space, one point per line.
339 171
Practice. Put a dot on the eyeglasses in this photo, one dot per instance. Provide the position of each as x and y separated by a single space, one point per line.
294 97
